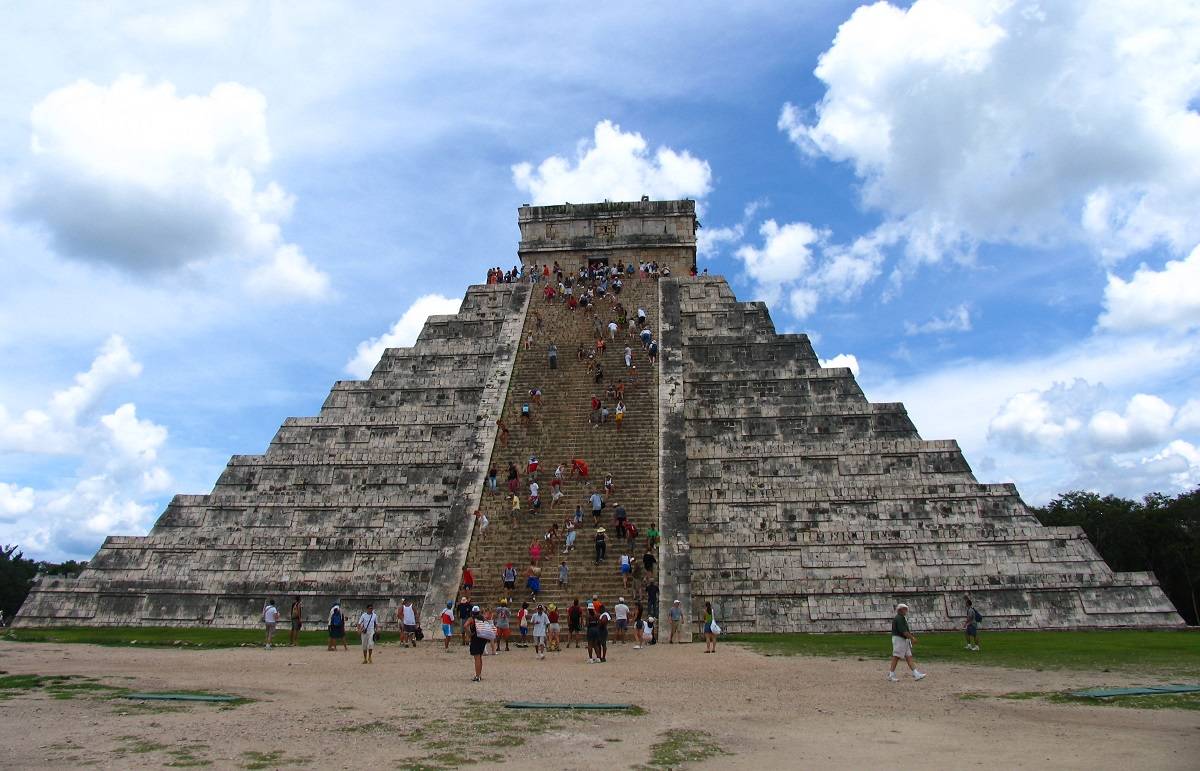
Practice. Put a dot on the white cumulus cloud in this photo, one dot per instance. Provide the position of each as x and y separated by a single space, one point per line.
617 166
1017 122
402 334
847 360
1155 299
956 319
139 177
118 472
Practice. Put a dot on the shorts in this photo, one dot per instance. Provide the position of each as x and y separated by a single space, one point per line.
295 626
972 630
539 639
468 587
901 647
368 641
478 645
410 628
270 628
502 632
447 630
573 626
554 629
524 631
622 624
626 568
510 584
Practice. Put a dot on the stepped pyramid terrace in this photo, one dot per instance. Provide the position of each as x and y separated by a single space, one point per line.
783 496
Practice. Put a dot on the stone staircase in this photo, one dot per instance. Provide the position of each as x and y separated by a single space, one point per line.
561 429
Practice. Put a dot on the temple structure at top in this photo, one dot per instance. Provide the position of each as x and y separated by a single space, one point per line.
783 496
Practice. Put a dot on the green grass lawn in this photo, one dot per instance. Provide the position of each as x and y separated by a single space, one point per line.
1166 653
165 636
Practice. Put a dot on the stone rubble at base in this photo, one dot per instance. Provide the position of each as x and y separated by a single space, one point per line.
785 498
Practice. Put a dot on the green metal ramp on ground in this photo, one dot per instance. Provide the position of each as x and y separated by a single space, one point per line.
1148 690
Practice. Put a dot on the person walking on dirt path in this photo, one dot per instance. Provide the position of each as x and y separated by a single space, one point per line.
478 644
552 640
270 619
603 619
448 623
552 355
902 645
503 617
368 622
408 622
464 615
593 636
971 627
574 623
541 625
337 627
523 625
675 616
710 629
297 621
601 545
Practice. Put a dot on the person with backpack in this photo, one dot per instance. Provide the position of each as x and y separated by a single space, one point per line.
502 616
337 627
478 641
971 628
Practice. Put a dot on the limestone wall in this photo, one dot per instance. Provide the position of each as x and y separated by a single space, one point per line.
363 502
809 508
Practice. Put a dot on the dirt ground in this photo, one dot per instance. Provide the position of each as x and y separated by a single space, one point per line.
316 708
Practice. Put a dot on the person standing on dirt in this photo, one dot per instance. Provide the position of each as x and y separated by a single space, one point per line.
368 622
448 623
502 616
603 618
971 627
593 636
622 612
270 619
902 644
464 615
408 622
541 625
337 627
478 644
675 615
710 629
297 621
574 623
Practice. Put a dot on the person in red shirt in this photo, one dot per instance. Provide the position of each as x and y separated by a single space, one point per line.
578 466
468 581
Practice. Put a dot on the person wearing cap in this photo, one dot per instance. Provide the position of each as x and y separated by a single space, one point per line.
645 634
902 642
621 611
502 615
448 623
464 615
478 644
552 641
675 614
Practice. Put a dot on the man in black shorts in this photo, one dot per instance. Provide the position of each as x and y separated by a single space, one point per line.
574 623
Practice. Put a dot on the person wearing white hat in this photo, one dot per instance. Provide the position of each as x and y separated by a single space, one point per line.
902 642
675 614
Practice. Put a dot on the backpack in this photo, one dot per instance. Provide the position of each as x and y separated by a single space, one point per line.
978 615
336 618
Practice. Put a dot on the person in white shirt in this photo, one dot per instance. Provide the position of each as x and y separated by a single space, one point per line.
612 330
540 621
270 618
408 623
368 622
621 611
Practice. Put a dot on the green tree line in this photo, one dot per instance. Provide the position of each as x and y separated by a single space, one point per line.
1158 534
16 576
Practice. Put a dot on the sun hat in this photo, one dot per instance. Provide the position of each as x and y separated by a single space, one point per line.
676 602
504 602
620 599
601 530
474 608
553 606
901 605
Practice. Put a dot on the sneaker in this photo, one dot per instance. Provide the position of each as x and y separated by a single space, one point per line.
892 677
637 647
969 647
475 679
974 647
918 675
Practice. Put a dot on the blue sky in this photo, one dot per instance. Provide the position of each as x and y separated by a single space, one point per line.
210 212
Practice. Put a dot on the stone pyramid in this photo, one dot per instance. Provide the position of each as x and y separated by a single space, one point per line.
784 497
